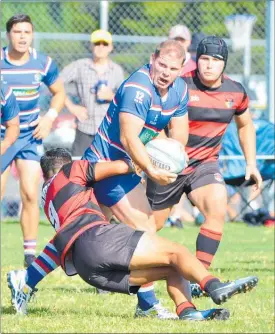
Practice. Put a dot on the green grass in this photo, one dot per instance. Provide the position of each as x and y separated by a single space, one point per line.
68 305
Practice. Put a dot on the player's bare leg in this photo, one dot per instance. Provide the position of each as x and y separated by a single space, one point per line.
29 176
134 210
153 252
4 178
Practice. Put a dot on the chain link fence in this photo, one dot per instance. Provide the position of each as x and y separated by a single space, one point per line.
63 28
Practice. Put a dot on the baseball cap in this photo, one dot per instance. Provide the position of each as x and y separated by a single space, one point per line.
180 31
101 35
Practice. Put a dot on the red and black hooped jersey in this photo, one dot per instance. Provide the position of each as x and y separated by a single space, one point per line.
210 111
71 207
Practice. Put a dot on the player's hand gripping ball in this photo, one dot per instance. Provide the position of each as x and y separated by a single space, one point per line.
168 154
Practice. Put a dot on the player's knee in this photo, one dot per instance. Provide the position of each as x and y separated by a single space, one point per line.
29 197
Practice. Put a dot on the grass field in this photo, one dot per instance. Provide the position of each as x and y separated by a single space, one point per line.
68 305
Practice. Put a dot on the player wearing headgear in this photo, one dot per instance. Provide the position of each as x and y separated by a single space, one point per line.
214 100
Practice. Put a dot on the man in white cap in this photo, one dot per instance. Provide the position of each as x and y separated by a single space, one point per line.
182 34
96 80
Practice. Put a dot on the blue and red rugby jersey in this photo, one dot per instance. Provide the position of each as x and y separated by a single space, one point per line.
26 81
9 106
137 95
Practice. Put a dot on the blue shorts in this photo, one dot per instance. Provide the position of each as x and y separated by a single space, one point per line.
111 190
26 148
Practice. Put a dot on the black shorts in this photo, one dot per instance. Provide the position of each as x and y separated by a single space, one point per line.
162 197
102 255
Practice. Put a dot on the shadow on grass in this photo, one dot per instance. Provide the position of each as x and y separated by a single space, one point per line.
247 269
38 311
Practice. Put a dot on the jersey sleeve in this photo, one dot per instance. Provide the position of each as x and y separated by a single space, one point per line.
244 103
184 98
11 108
51 72
80 172
135 99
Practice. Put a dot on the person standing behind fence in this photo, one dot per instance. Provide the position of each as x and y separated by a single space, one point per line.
96 79
24 70
183 35
9 119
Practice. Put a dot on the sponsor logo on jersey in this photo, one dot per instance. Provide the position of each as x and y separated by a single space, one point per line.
229 101
218 177
37 78
194 98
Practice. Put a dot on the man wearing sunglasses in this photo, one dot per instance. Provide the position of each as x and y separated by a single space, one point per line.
95 80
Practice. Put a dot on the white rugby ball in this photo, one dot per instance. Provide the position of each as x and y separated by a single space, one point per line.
166 153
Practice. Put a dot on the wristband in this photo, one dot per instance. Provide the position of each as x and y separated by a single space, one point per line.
52 114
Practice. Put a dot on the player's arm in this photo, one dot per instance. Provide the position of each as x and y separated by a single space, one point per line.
86 173
102 170
130 128
45 123
247 137
11 134
179 129
10 119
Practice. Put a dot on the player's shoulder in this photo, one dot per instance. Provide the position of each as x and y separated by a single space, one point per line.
40 57
141 76
180 87
141 80
233 85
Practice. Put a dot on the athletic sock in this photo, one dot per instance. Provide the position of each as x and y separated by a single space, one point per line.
29 247
210 283
184 308
207 245
146 296
45 263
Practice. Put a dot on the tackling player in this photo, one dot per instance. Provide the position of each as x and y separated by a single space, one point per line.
214 101
114 257
25 70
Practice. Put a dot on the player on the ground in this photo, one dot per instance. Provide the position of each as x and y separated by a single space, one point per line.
9 118
114 257
145 103
214 99
24 70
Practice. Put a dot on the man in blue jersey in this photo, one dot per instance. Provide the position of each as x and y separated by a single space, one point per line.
24 70
9 118
149 100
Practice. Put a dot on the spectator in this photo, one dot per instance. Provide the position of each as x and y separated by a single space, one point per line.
182 34
96 80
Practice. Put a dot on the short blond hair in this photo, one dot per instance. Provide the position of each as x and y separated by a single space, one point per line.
170 45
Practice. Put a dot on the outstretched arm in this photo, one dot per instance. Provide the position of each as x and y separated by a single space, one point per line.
247 137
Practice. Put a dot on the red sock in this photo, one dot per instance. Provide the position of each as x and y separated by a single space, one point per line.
183 307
